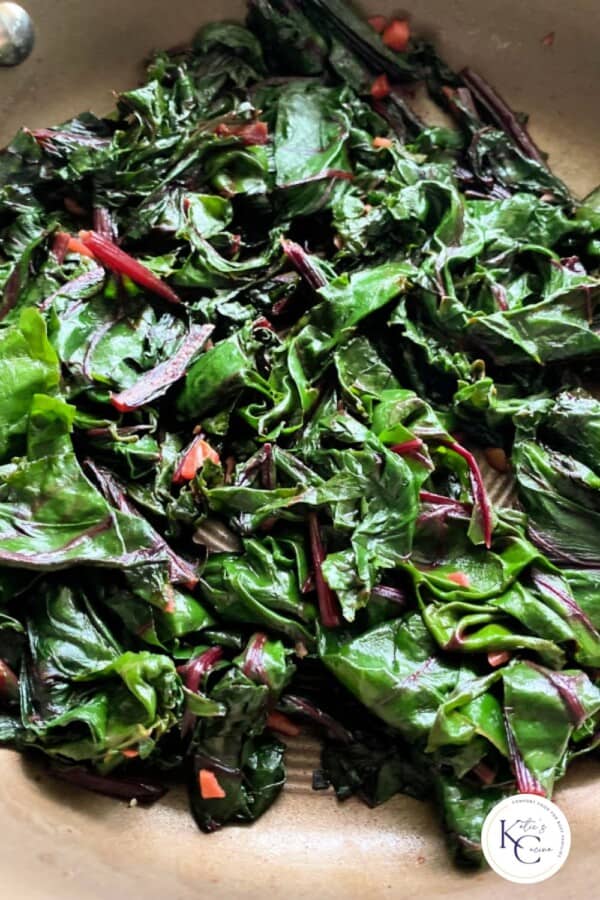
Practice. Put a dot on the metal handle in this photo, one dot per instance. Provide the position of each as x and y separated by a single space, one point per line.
16 34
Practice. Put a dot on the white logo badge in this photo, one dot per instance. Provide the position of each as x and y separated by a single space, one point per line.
526 838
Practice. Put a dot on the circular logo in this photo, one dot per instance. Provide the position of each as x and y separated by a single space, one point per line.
526 838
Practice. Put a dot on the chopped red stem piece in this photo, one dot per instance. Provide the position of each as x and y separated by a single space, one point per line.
115 259
328 605
263 322
74 245
60 245
210 789
397 35
193 459
9 683
381 143
498 658
459 578
377 23
169 606
156 381
381 87
278 722
250 133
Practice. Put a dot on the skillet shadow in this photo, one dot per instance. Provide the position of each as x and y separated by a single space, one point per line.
36 768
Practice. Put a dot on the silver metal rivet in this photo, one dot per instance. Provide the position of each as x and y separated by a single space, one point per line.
16 34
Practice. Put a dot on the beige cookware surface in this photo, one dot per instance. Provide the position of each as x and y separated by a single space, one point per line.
59 842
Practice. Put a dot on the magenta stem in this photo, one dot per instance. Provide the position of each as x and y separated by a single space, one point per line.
328 604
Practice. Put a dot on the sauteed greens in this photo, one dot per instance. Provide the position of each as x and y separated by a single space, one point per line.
254 324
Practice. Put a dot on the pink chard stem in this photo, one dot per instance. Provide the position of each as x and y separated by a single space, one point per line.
328 604
480 497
